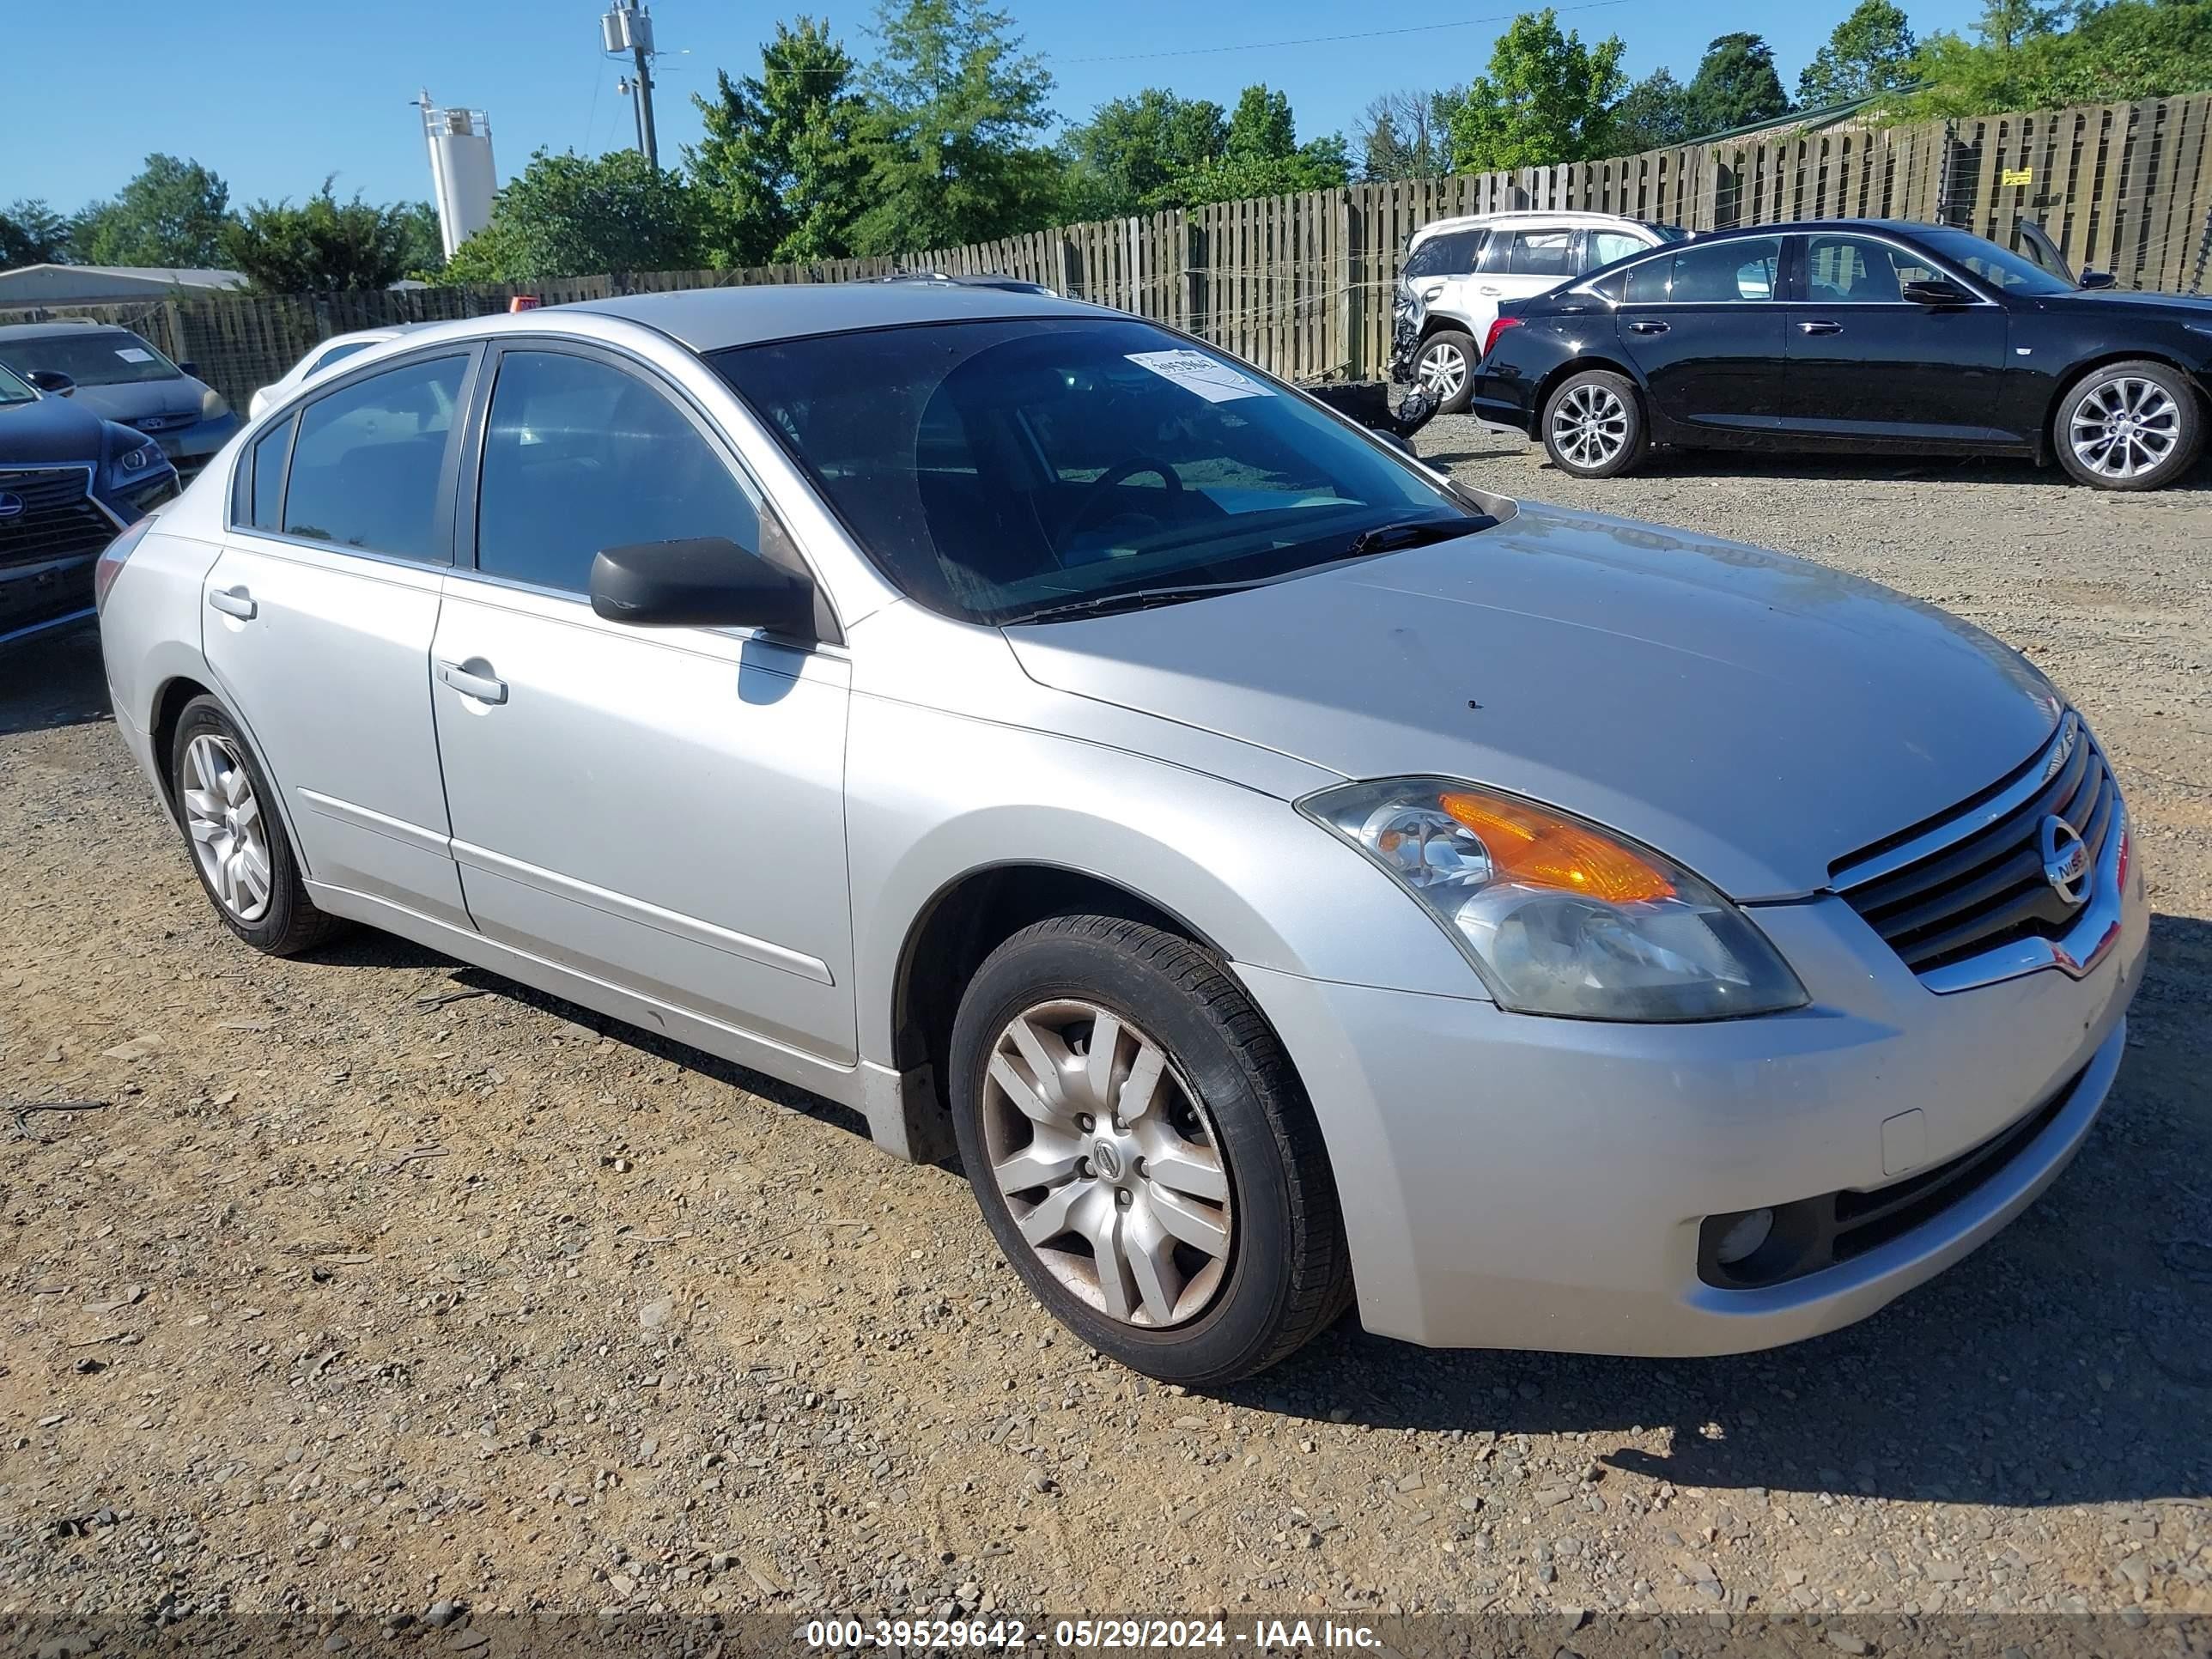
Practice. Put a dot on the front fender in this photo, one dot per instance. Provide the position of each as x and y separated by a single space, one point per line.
933 797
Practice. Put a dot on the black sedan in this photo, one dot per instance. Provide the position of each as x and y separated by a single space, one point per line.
69 483
1853 335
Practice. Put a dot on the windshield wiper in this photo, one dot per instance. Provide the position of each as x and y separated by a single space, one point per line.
1416 532
1137 599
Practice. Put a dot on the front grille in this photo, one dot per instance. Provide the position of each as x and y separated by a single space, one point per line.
1972 881
164 422
58 520
1820 1232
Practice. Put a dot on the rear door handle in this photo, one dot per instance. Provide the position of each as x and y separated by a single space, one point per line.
1648 327
1820 328
234 602
1491 292
484 688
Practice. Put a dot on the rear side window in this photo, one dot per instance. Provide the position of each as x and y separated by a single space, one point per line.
1607 246
1717 272
266 494
1450 254
366 466
1542 253
579 455
339 353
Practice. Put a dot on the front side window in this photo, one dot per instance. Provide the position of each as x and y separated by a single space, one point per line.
994 470
1997 266
15 390
580 455
90 356
366 466
1715 273
1859 270
339 354
1542 253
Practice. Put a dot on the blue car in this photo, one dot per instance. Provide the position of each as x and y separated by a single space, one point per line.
120 376
69 482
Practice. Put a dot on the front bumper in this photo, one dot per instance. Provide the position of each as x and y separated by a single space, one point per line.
192 447
1515 1181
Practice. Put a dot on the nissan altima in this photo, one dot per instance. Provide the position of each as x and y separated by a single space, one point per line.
1286 877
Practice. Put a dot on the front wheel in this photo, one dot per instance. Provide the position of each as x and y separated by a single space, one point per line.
1444 368
1594 425
2129 425
1143 1152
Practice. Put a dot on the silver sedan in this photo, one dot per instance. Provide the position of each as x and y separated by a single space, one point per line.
1286 877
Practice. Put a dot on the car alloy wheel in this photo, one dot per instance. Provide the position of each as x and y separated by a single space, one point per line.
2124 427
1111 1168
1441 370
223 817
1589 425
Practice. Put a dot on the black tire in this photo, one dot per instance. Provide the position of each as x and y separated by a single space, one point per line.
1444 342
2111 382
1287 1275
291 923
1615 415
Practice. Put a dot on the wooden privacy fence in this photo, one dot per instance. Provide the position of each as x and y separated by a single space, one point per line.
1301 285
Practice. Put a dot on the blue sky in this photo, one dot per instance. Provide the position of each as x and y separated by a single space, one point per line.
274 94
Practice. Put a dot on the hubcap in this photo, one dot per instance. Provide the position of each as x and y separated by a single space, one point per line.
1110 1165
2125 427
1589 425
228 837
1443 369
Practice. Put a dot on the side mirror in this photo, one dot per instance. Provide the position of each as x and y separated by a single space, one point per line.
706 582
1936 291
190 368
51 380
2099 279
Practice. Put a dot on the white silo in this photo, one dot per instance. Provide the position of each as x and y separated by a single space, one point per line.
461 176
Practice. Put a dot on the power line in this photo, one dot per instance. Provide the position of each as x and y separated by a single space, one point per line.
1329 40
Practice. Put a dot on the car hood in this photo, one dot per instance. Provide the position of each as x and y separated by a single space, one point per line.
51 431
2195 307
1753 715
134 400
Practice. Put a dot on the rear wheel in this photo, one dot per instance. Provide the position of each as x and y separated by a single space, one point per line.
2129 425
1142 1150
1594 425
1444 368
236 836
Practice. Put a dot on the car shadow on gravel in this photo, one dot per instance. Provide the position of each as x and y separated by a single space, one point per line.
2067 1361
53 682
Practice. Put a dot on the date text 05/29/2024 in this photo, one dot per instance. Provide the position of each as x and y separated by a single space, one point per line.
1089 1635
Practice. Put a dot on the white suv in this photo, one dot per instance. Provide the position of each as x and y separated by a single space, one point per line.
1457 270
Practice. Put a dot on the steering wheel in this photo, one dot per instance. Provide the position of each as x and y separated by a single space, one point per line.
1095 496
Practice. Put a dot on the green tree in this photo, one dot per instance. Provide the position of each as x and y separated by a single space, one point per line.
1545 100
779 172
574 216
425 244
2127 49
1653 115
32 234
1408 135
323 244
1261 155
950 138
1870 52
1735 86
173 214
1127 157
2009 25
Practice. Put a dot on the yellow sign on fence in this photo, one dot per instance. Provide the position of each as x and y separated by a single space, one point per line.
2017 176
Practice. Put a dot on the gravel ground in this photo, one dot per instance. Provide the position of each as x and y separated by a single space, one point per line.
381 1282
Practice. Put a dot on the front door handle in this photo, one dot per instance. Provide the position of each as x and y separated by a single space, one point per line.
1820 328
233 602
484 687
1648 327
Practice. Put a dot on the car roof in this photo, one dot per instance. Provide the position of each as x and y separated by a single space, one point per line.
1818 226
710 319
1573 218
50 330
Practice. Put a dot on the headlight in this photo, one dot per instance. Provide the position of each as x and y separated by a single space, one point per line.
1556 915
137 461
212 407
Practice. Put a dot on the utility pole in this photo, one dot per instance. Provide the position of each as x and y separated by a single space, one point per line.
626 30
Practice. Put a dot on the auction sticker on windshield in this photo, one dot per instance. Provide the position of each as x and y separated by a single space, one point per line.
1194 371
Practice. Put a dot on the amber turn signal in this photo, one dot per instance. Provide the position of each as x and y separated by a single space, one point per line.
1530 846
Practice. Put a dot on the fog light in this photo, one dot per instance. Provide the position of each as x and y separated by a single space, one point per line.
1744 1237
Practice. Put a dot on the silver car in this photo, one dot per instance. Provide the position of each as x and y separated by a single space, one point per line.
1287 877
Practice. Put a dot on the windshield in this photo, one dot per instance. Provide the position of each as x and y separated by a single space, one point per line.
994 470
1993 265
15 390
92 356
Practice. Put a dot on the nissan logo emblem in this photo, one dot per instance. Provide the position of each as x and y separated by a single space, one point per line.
2065 859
